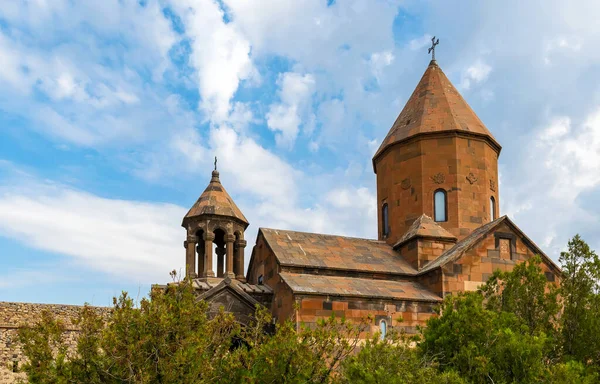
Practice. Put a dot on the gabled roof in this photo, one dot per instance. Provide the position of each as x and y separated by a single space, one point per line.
434 106
424 226
475 237
205 284
357 287
340 253
215 201
232 286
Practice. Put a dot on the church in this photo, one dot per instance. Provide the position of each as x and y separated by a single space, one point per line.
439 230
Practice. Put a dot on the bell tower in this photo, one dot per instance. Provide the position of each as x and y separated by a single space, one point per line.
438 159
215 221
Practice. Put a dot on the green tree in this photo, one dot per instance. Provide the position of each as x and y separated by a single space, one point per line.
309 355
482 345
46 350
525 292
169 338
393 361
581 302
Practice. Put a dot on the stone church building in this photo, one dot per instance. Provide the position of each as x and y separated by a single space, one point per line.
439 230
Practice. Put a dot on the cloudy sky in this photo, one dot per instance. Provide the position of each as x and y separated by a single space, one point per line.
111 113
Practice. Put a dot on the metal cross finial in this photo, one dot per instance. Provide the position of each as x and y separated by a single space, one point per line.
215 163
431 50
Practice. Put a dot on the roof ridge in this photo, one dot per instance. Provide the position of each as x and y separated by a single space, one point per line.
323 234
466 243
452 112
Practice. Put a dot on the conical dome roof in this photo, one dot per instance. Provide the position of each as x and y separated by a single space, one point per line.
215 201
434 106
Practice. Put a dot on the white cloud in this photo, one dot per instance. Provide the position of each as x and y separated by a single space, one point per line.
131 239
145 30
476 73
221 55
419 43
561 45
93 99
561 168
572 156
256 170
379 61
295 92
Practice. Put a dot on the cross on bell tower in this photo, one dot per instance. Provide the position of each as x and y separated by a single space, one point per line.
431 50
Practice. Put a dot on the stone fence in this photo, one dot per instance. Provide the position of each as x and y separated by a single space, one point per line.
15 315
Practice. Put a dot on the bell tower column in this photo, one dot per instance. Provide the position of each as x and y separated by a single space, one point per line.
229 261
208 244
239 267
220 259
190 255
200 252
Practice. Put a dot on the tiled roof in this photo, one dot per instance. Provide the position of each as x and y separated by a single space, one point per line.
216 201
468 242
434 106
334 252
424 226
357 287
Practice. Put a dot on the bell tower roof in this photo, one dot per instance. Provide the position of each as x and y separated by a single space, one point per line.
435 106
215 201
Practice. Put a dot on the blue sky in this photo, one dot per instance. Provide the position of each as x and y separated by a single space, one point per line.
111 113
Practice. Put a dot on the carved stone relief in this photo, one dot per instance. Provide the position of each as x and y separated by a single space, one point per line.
405 184
471 178
493 185
438 178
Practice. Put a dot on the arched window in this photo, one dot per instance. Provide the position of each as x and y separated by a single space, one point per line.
385 220
492 208
440 208
382 329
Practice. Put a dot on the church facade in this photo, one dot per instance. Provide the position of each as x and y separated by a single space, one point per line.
440 231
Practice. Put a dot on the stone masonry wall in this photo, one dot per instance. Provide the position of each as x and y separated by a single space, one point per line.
399 314
500 250
409 174
14 315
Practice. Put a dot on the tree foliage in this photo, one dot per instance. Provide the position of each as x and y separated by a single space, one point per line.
516 329
580 292
168 338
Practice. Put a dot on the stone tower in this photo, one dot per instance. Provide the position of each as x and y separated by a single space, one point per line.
438 159
215 219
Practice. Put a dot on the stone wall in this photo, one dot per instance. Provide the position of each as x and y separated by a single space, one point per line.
263 263
500 250
14 315
404 315
409 174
